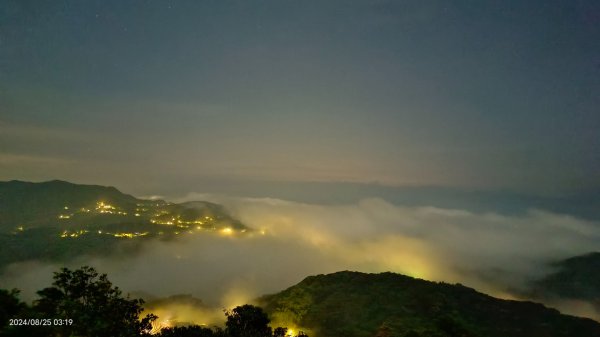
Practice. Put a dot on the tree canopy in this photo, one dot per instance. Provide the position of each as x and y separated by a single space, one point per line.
96 307
84 303
10 306
247 321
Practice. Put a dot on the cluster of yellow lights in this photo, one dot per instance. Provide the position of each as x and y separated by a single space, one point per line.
20 229
74 234
227 231
162 222
106 208
102 205
69 234
129 235
177 221
159 222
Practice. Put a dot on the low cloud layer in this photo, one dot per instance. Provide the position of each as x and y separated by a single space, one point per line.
490 252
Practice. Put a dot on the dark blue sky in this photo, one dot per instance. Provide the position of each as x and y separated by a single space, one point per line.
471 94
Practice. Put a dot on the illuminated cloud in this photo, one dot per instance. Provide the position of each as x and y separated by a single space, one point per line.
490 252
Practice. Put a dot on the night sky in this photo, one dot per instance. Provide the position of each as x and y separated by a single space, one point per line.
142 94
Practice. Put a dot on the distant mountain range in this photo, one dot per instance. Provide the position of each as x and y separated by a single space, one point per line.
579 203
576 278
353 304
58 220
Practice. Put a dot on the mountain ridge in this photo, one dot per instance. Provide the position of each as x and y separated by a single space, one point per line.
576 278
356 304
61 220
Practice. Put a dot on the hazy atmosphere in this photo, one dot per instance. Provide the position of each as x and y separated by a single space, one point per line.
145 94
492 252
449 141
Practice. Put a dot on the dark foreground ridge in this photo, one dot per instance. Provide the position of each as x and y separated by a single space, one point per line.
354 304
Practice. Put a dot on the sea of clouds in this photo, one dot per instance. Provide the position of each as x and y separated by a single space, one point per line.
493 253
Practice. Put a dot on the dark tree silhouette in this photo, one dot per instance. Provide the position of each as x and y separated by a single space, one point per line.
189 331
384 331
97 309
247 321
243 321
280 332
10 306
83 303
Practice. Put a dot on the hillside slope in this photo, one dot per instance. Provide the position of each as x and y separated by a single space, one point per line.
57 220
353 304
39 204
575 278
